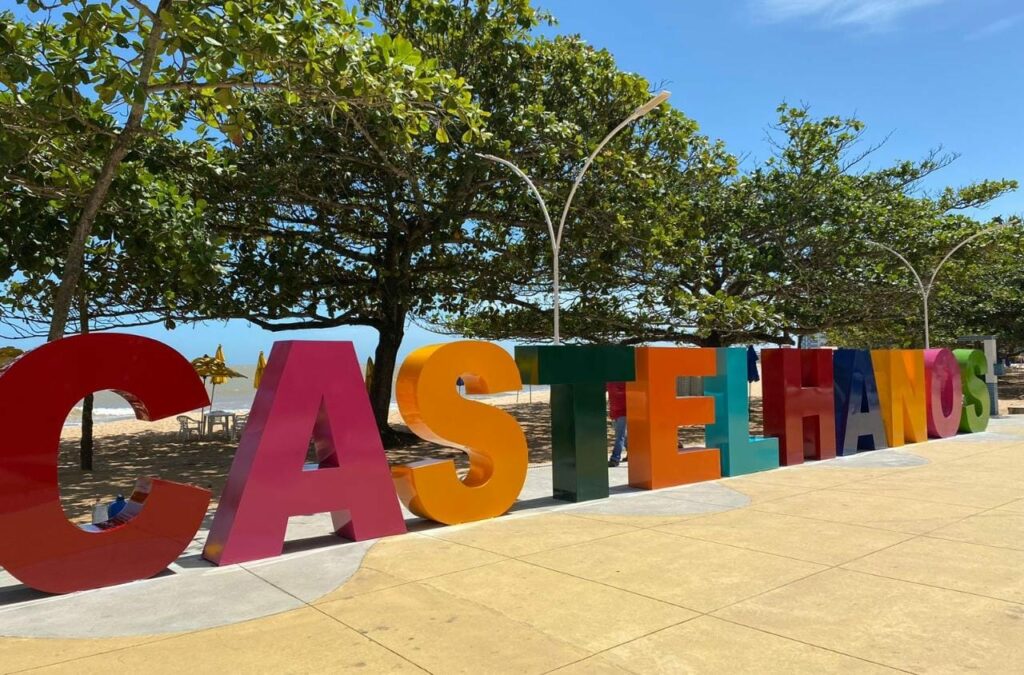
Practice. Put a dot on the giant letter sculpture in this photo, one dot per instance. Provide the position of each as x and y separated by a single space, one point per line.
945 392
901 389
579 432
977 402
432 407
730 432
38 545
859 424
799 403
655 413
309 389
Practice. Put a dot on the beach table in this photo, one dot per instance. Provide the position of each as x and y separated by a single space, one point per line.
219 418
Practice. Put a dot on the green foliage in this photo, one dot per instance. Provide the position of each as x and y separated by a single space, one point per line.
82 81
343 219
721 256
978 291
149 251
204 54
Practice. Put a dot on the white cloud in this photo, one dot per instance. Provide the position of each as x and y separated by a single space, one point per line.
872 14
995 27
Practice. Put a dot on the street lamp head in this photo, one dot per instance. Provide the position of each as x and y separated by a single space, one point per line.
660 98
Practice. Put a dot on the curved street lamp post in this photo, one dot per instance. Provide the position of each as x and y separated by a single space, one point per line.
556 235
926 289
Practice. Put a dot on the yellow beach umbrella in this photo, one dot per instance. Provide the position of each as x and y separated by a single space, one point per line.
219 357
209 367
368 373
8 354
261 365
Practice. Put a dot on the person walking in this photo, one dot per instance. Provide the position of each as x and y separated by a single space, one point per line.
617 413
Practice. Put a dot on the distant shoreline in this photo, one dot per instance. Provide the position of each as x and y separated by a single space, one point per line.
106 415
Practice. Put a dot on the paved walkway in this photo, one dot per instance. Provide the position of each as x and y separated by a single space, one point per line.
910 559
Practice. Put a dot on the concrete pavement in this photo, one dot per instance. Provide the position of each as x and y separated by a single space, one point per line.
905 559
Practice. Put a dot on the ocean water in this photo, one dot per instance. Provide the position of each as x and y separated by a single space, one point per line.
234 396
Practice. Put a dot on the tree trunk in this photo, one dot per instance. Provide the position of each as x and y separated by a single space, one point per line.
75 259
714 339
385 362
86 444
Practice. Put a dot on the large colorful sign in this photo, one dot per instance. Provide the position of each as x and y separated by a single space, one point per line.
817 403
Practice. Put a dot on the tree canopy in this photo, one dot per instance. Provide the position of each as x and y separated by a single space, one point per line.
81 81
341 220
766 254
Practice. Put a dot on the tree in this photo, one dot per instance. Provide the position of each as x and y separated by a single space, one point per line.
149 258
365 225
978 291
983 294
78 92
762 255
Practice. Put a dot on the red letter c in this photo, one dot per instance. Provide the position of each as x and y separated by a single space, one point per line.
38 545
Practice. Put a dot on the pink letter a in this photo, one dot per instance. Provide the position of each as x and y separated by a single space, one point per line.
307 387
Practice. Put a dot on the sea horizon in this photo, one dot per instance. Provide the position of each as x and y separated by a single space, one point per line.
235 396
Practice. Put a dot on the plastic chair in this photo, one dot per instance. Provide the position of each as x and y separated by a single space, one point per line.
240 421
188 426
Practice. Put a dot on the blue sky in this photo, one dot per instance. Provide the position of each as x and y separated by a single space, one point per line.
928 72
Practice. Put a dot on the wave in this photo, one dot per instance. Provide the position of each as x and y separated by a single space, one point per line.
125 411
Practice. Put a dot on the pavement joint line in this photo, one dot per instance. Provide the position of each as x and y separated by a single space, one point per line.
757 550
927 585
639 637
827 567
504 558
596 518
812 488
815 646
934 535
148 640
906 499
543 550
367 637
766 476
460 598
931 534
504 518
245 567
916 499
321 612
802 491
839 566
611 586
742 625
447 574
912 537
710 614
880 529
956 481
404 582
